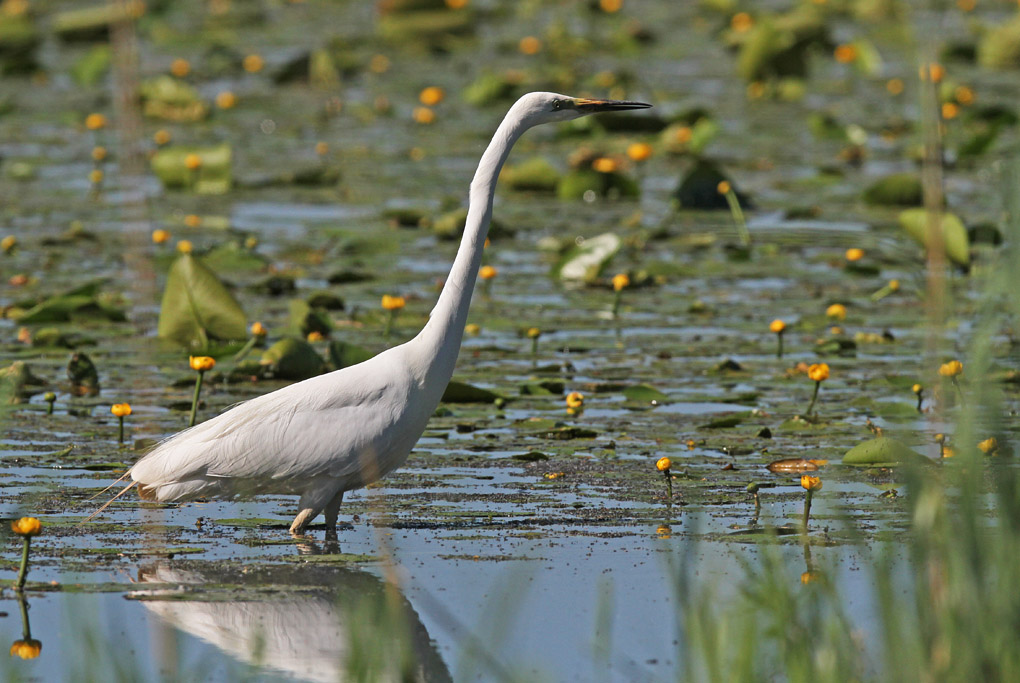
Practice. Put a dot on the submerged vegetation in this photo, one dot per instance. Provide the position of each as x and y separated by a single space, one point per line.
787 289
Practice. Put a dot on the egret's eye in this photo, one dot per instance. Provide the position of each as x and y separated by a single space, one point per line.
557 105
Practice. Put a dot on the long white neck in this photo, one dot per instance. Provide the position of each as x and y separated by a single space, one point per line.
439 341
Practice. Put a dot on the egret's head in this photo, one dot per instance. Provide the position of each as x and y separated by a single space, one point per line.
545 107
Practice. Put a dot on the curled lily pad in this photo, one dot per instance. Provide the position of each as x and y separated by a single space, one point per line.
461 392
166 97
898 189
17 382
999 47
450 225
83 375
212 175
700 188
585 261
343 354
954 234
883 451
580 181
291 358
536 174
83 301
197 308
304 319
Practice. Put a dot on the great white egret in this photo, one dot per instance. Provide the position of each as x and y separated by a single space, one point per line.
345 429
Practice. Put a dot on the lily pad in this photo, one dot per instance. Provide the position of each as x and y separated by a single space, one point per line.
723 422
898 189
585 261
292 358
343 354
80 302
166 97
212 176
644 396
536 174
882 451
460 392
579 182
954 234
197 308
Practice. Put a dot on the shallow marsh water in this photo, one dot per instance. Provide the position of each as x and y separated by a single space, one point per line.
563 567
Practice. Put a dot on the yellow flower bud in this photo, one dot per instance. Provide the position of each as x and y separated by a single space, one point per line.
185 246
487 272
836 312
253 63
95 121
723 187
810 483
258 329
620 281
777 326
26 526
180 68
605 165
423 115
201 363
529 45
819 372
26 649
989 446
533 332
226 100
951 369
431 96
854 254
121 409
575 399
393 303
663 464
639 151
192 161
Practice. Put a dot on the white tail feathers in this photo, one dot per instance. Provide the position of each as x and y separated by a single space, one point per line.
107 503
122 478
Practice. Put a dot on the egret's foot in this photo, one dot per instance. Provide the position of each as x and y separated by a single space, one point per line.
303 519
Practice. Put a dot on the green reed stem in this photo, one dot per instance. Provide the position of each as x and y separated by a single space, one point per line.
194 399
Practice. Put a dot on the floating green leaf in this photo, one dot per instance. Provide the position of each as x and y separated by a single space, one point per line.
460 392
531 175
291 358
212 176
882 451
898 189
343 354
644 396
197 308
954 234
585 261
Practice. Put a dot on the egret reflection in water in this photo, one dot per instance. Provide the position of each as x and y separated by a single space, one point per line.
312 623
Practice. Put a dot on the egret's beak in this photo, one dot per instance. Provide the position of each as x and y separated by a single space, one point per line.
587 106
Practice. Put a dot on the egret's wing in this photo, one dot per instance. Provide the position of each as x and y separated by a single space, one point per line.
315 427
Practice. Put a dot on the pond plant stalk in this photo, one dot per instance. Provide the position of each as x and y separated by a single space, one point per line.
663 465
810 484
200 364
818 372
726 190
26 527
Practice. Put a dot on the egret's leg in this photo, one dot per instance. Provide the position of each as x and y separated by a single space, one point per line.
332 510
303 519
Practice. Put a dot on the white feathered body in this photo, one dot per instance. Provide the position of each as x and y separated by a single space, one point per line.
334 432
340 431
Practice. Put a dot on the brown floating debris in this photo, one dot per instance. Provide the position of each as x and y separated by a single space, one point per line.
795 465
